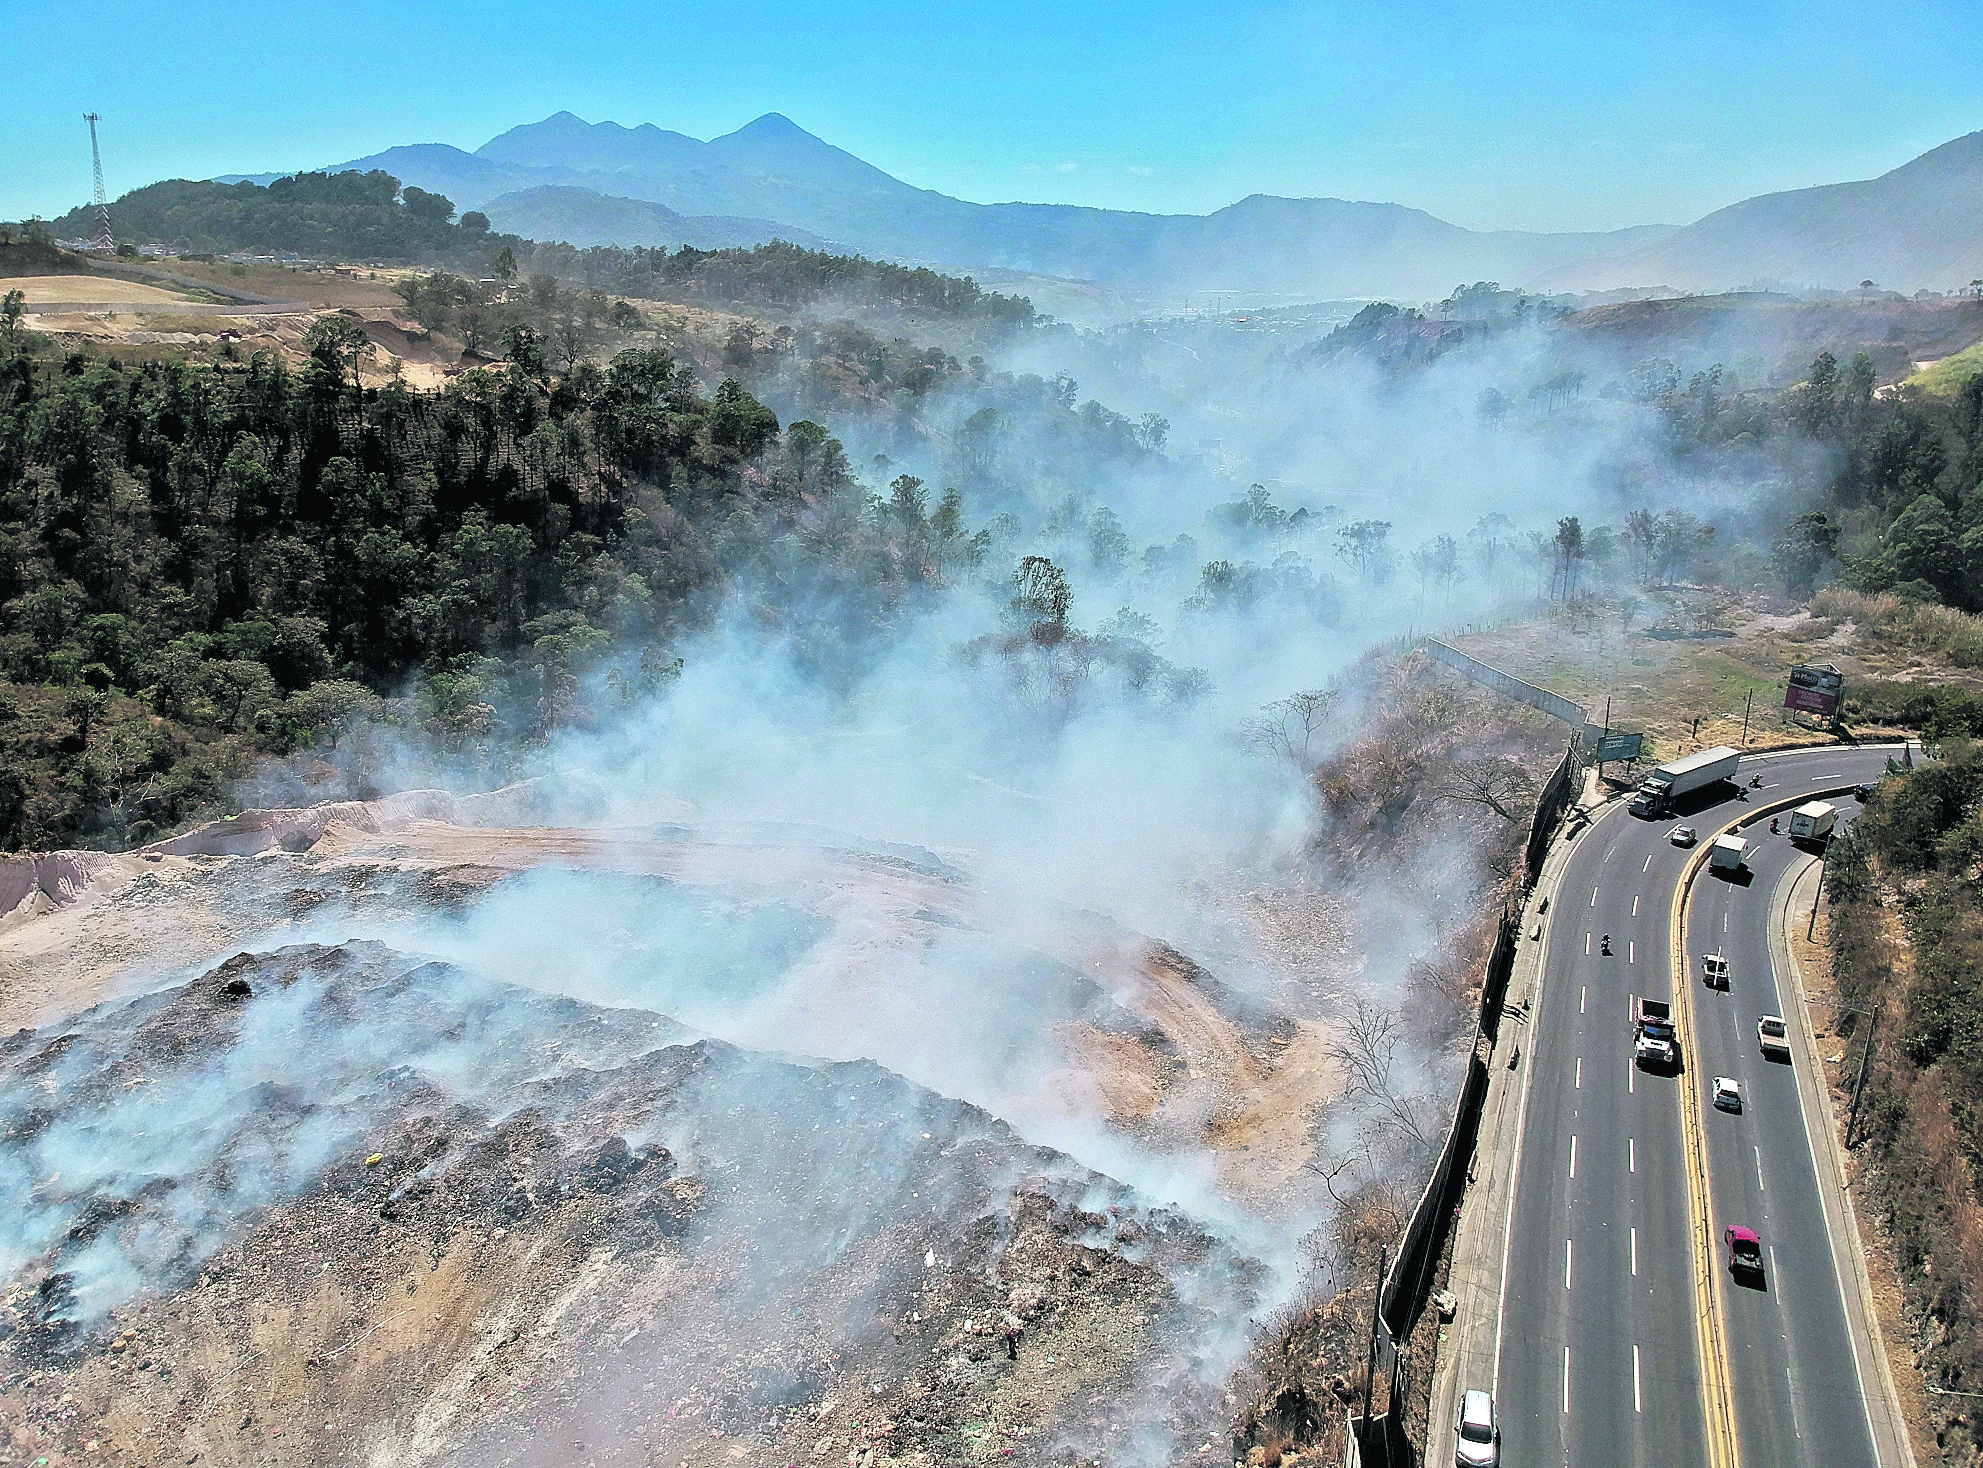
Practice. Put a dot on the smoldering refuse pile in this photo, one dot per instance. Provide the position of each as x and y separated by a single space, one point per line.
341 1204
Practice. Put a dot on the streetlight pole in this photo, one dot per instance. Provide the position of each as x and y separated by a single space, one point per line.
1865 1059
1810 932
1859 1086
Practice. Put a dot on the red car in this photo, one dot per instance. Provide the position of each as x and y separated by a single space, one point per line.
1745 1250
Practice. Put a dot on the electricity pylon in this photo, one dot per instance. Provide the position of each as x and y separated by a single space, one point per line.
104 239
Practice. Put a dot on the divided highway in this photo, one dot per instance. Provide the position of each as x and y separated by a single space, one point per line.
1598 1350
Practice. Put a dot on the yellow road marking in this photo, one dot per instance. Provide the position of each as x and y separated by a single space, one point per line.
1710 1328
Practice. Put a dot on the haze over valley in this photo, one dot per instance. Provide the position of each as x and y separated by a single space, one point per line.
679 802
1915 227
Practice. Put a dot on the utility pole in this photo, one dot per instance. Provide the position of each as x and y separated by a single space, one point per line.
1745 717
1824 860
105 240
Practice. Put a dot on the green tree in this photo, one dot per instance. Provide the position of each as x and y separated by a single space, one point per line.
1801 550
1364 545
739 421
339 345
1816 403
1041 598
425 207
1569 552
1921 545
1108 543
523 346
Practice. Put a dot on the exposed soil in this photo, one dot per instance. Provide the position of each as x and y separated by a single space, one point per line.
411 1211
60 288
614 1245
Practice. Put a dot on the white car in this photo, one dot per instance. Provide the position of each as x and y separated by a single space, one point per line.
1479 1437
1727 1093
1683 836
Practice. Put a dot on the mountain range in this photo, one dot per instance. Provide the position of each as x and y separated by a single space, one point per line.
602 183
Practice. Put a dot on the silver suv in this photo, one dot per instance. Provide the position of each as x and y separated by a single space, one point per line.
1479 1438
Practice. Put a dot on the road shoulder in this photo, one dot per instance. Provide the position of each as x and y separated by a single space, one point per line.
1796 894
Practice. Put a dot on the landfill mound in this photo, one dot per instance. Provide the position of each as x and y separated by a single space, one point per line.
344 1204
771 937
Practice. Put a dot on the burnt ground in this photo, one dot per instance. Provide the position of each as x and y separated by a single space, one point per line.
343 1204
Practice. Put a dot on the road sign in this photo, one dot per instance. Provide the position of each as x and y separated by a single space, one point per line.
1815 689
1619 746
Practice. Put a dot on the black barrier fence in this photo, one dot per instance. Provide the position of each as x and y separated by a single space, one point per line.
1425 1236
1500 965
1424 1241
1378 1444
1556 795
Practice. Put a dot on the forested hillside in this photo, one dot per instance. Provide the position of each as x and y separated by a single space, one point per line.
202 564
1906 487
345 216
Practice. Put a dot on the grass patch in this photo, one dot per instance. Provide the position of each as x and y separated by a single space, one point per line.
1942 379
1890 622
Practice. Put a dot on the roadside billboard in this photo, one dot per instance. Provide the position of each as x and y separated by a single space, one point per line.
1619 746
1815 688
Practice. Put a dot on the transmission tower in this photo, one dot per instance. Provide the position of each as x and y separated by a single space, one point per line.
104 239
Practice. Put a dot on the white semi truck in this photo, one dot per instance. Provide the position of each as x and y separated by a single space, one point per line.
1668 782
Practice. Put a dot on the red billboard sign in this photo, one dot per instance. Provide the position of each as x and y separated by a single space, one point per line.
1815 690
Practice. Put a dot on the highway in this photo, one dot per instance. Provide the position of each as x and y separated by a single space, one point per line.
1598 1346
1793 1374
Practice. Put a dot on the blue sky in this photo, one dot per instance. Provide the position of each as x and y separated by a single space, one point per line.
1537 116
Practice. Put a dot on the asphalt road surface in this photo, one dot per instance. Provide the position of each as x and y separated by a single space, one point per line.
1794 1375
1597 1356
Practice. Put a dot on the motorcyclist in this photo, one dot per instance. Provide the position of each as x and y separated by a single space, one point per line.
1604 945
1774 830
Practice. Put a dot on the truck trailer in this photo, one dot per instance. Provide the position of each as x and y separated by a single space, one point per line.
1813 822
1729 854
1668 782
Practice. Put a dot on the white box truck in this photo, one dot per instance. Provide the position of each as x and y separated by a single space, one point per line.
1813 822
1729 854
1668 782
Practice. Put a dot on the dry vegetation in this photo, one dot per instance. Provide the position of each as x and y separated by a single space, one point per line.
1698 654
1445 767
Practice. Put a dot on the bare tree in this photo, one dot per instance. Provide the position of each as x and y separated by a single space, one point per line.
572 335
1287 728
1367 1049
1494 783
1446 1006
